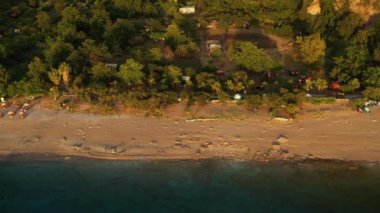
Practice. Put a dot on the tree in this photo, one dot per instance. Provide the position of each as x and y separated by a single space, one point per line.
57 51
351 64
311 49
65 71
251 57
3 51
3 80
353 85
372 92
207 81
238 82
348 25
94 53
174 36
173 75
101 72
55 76
155 54
372 76
43 21
119 33
309 85
71 15
320 84
189 49
37 69
131 73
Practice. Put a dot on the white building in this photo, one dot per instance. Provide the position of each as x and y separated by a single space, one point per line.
187 10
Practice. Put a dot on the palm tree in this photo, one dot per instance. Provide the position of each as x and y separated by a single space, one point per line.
320 84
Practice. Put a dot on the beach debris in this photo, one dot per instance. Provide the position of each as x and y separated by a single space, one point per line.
181 146
153 142
284 153
206 145
3 103
22 114
31 140
111 149
282 139
237 137
200 151
78 146
276 146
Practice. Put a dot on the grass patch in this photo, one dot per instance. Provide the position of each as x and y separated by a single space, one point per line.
321 100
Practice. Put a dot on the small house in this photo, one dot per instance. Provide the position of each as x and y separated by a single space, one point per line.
213 45
335 86
113 66
187 10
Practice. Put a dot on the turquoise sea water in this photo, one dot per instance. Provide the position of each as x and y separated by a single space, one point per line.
186 186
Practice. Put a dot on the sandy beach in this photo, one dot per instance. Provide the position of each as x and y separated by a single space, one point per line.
336 134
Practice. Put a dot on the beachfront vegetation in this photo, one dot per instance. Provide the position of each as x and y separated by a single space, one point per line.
144 53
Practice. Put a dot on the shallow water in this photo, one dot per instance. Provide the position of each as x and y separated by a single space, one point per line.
186 186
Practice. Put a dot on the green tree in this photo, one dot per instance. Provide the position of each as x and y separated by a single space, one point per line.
251 57
37 69
155 54
119 33
348 25
131 73
174 36
3 80
311 49
94 53
353 84
372 76
43 20
372 92
173 75
309 85
57 51
207 81
189 49
238 82
55 77
351 64
3 51
320 84
102 73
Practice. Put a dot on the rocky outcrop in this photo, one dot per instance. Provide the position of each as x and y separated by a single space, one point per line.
365 8
314 8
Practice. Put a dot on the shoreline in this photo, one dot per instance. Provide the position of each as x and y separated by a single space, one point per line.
320 163
341 135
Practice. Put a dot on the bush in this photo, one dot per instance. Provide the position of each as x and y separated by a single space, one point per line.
254 102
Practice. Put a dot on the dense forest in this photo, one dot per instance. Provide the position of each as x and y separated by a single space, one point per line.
146 53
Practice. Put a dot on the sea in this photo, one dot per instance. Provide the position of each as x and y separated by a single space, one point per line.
83 185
